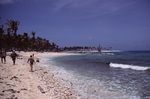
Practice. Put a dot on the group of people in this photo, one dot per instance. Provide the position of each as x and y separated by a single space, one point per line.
3 56
13 55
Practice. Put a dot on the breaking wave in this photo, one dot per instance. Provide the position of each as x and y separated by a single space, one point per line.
125 66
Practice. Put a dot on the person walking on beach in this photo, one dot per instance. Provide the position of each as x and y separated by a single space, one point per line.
31 59
33 55
13 56
3 56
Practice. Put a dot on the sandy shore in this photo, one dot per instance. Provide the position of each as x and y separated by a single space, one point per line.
16 82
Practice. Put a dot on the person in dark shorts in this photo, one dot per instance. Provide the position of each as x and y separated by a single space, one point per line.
31 60
13 56
3 56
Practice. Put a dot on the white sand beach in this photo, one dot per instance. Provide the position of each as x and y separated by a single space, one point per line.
16 82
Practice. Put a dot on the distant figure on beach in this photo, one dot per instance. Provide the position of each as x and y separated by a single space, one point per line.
13 56
37 60
31 59
3 56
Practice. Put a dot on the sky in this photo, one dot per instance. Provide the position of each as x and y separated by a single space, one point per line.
120 24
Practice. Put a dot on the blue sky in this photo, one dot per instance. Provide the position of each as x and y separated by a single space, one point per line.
121 24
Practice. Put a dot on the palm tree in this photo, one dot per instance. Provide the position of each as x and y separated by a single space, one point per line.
1 36
53 46
47 45
25 41
19 42
9 39
38 43
12 28
13 25
33 34
33 40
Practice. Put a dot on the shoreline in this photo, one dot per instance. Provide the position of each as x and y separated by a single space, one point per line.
17 82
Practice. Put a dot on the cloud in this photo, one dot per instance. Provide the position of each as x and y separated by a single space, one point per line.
61 3
90 38
94 7
7 1
72 4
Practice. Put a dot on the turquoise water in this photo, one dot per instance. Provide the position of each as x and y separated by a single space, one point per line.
111 75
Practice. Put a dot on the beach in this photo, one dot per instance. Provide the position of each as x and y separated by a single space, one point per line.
76 75
17 82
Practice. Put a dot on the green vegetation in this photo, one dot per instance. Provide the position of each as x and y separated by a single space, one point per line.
10 40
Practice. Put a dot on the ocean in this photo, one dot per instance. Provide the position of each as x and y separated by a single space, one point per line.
104 75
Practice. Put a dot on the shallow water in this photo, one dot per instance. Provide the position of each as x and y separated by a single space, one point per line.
114 75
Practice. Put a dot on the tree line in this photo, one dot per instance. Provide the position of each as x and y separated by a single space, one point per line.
10 40
78 48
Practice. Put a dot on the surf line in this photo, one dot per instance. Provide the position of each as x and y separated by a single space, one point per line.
125 66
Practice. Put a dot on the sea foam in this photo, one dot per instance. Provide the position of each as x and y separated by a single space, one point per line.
125 66
86 86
